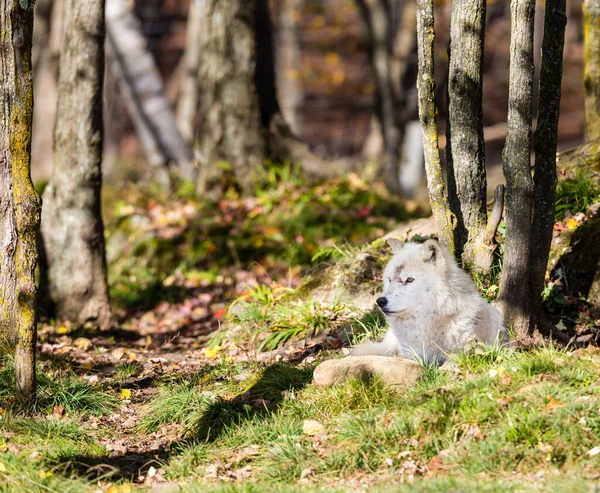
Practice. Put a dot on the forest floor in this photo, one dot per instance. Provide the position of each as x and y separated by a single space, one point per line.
192 394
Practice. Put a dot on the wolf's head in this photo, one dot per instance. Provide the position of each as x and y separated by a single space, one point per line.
412 277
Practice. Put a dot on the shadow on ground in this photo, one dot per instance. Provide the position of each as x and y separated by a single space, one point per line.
263 399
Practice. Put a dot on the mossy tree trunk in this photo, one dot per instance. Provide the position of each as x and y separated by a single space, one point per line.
514 297
428 116
72 227
19 202
591 76
546 137
241 122
465 150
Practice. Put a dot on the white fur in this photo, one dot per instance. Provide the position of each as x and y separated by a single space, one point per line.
438 313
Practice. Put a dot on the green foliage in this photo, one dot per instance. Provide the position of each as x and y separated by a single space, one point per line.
576 194
264 312
492 413
289 221
128 370
62 389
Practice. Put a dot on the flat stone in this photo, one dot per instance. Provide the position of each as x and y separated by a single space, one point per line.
397 373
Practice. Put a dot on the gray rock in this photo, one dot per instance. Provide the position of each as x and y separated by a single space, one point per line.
397 373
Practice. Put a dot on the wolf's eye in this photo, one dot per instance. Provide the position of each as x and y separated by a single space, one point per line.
409 280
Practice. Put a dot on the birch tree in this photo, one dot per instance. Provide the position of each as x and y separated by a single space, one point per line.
72 226
19 202
143 90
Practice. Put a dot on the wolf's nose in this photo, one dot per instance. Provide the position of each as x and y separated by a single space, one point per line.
381 301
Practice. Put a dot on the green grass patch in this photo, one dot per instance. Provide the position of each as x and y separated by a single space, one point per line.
491 412
576 194
57 388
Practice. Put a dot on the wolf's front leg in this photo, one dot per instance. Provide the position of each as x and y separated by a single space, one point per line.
387 347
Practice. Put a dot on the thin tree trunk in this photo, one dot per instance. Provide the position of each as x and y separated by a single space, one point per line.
143 90
514 298
19 202
591 76
45 82
187 104
428 117
378 19
72 226
289 87
465 150
545 179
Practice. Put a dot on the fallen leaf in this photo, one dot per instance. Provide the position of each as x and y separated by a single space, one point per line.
83 343
212 352
2 467
125 393
594 451
553 404
311 427
62 330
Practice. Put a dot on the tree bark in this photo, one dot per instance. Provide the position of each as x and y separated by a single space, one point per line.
289 88
241 122
546 137
231 130
465 148
45 81
591 76
72 227
514 297
187 104
143 90
428 116
378 19
19 202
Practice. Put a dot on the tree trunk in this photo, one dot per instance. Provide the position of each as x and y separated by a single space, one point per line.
289 88
143 90
514 297
591 76
45 82
187 104
231 129
585 157
428 117
72 227
465 149
19 202
378 19
241 122
545 179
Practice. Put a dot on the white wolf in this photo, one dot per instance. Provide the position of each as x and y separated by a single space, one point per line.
432 306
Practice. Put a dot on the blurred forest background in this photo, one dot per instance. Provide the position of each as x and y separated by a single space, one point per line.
326 84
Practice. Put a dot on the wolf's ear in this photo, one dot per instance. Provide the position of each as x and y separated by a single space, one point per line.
431 251
395 244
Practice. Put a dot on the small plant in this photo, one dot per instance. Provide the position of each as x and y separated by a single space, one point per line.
127 370
62 389
576 194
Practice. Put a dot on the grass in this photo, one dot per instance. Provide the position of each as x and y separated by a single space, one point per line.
576 194
59 388
492 413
